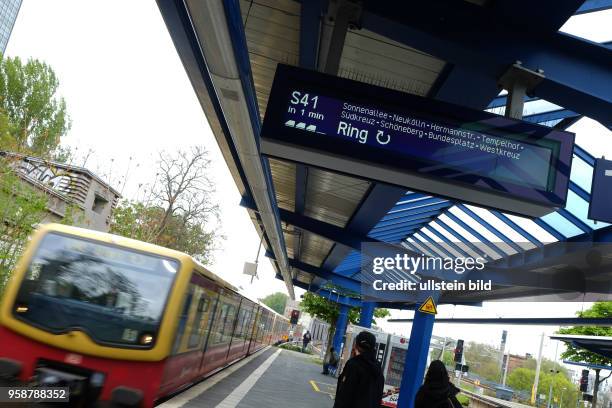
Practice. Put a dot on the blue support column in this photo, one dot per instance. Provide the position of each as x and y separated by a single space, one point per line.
340 327
416 358
367 313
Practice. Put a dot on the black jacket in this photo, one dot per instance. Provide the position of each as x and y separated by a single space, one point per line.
437 395
361 383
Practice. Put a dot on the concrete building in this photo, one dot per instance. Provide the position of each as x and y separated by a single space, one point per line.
8 14
66 187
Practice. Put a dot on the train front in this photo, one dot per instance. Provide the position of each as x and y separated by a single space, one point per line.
92 312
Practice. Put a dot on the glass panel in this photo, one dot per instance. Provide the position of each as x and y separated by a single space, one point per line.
445 245
591 26
115 295
478 227
562 225
502 227
580 208
471 238
421 248
435 225
593 137
432 249
582 173
532 228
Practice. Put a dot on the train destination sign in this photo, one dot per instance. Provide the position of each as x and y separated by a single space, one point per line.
415 142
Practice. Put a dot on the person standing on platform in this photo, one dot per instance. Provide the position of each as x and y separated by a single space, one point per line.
305 340
437 391
361 383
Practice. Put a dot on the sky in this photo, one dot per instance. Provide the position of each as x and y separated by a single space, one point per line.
129 98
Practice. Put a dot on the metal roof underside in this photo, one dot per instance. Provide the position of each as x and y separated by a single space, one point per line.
325 215
595 344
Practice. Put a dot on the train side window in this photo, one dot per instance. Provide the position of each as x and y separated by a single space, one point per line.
219 324
198 320
238 333
228 326
182 321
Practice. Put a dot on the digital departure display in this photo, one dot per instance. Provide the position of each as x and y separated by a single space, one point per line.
419 135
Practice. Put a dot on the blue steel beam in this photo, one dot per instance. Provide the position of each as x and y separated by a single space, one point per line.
456 234
421 203
423 211
517 228
591 6
448 242
394 229
415 219
580 192
577 75
335 278
489 227
546 227
574 220
584 155
548 116
475 233
334 297
527 321
379 199
432 244
347 283
500 101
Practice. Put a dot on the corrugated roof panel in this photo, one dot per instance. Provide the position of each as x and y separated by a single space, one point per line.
314 248
372 58
332 197
272 34
283 174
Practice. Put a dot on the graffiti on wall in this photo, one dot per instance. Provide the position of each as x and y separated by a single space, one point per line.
57 179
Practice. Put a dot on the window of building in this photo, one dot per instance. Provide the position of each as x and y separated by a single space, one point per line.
99 204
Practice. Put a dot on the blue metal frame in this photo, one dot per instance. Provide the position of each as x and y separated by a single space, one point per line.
490 228
577 76
367 314
416 358
517 228
591 6
447 241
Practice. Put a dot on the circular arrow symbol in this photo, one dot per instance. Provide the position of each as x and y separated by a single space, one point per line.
378 139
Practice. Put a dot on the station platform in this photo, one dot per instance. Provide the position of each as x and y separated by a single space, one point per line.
272 377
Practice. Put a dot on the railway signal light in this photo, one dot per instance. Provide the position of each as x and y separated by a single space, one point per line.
459 351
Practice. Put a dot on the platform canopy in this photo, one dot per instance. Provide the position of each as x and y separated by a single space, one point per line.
314 220
596 344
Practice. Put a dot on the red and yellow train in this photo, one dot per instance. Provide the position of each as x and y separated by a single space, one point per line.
121 321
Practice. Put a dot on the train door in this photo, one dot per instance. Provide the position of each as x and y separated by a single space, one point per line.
195 319
217 347
255 329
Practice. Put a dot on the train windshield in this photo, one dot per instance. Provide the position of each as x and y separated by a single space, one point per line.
115 295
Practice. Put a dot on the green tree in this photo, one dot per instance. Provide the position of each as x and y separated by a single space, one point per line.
522 378
276 301
573 353
21 208
32 117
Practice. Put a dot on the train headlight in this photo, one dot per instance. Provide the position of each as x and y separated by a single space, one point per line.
21 309
146 339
